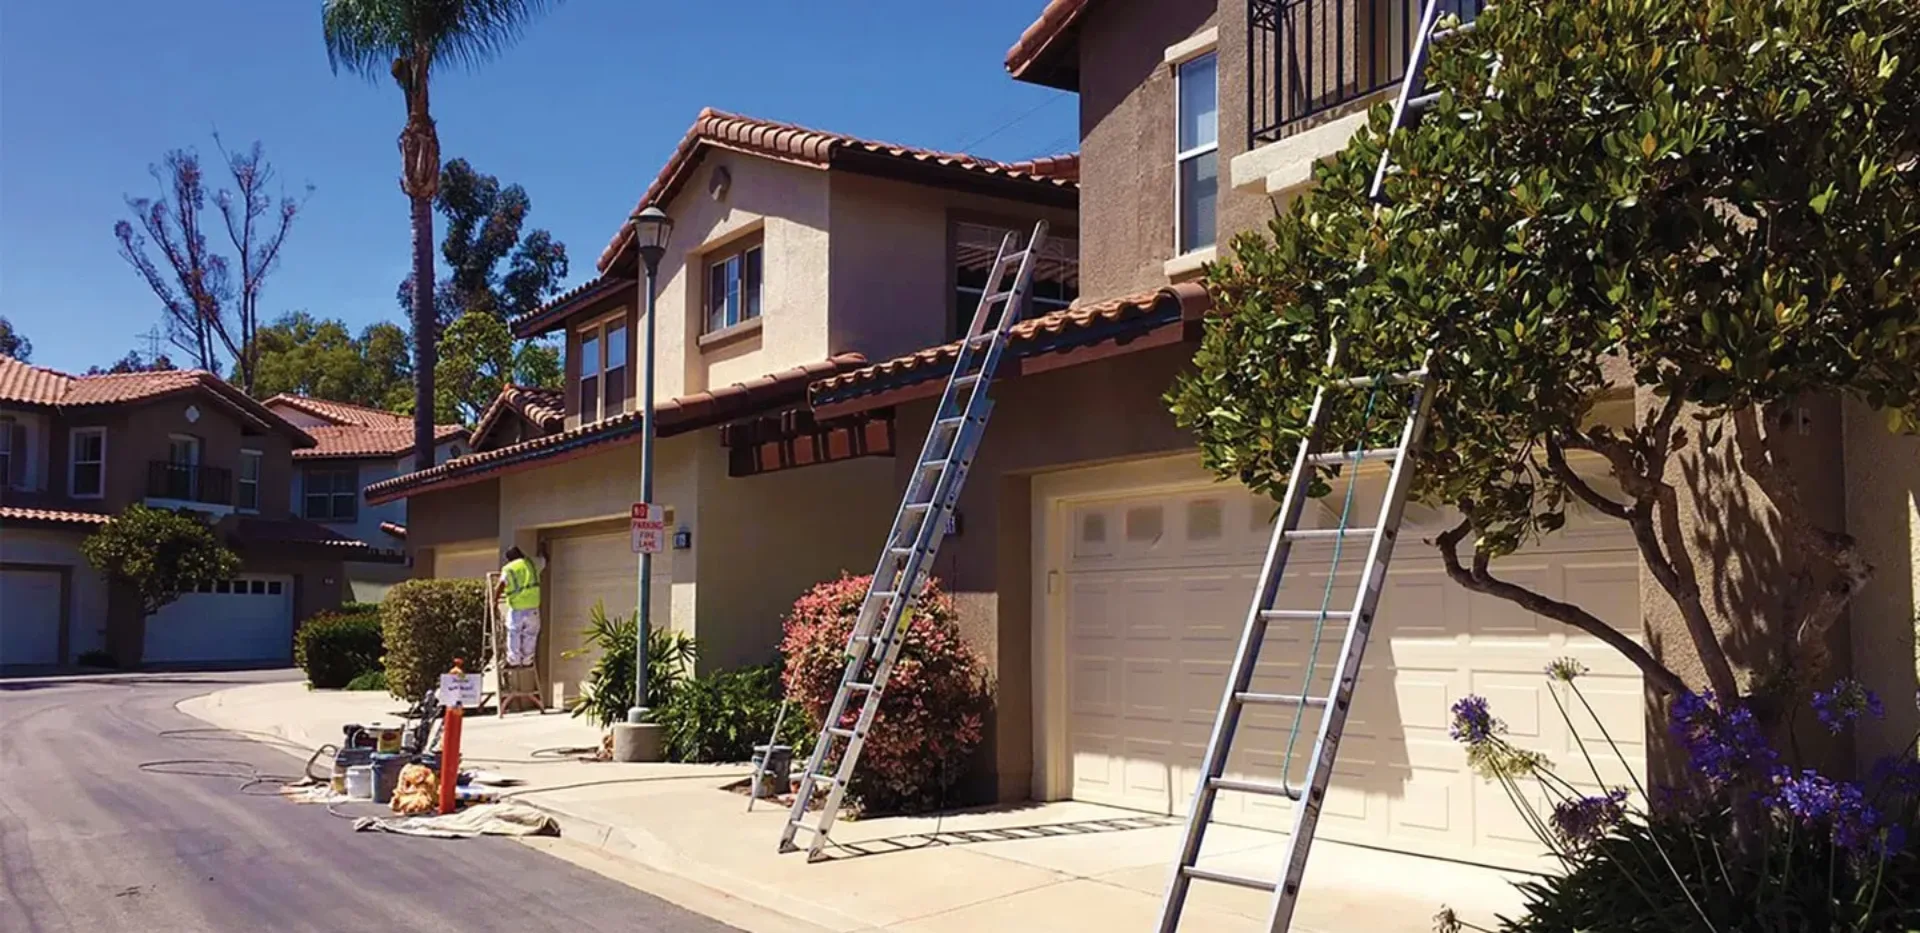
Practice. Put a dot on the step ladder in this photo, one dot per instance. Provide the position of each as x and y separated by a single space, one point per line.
1333 706
510 683
926 510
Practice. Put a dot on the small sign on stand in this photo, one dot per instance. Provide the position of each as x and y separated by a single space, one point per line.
649 528
459 689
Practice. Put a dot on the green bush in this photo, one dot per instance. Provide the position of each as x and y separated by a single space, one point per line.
426 625
375 679
722 716
158 554
608 692
335 647
354 609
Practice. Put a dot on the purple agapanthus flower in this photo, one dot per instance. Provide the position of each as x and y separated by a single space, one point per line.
1472 722
1846 701
1898 774
1583 821
1856 825
1723 741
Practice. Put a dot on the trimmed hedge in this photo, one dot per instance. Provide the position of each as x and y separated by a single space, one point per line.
428 623
335 647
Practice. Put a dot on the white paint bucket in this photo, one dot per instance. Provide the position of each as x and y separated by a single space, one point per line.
360 782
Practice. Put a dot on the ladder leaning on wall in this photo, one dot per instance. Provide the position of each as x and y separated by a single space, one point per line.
1378 539
921 524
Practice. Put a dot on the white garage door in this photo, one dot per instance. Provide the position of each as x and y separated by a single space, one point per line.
1158 590
29 617
246 619
580 572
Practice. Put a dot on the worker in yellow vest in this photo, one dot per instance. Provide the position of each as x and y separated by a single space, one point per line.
520 585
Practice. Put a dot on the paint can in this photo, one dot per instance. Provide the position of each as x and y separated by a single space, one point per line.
771 768
360 782
347 758
386 739
386 775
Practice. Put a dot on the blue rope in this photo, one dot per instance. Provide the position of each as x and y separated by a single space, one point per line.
1326 598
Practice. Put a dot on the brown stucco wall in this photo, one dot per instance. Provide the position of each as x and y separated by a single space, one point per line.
137 434
1116 413
457 515
1883 515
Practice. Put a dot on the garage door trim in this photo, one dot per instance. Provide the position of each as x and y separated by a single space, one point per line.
66 600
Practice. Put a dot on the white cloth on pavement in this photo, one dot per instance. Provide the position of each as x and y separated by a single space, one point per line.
486 819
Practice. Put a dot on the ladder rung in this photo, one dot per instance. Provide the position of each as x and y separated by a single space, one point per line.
981 339
933 464
1305 615
1328 534
843 733
901 550
859 686
1254 787
809 827
1423 103
1330 457
1279 699
950 422
1442 35
966 380
1390 379
1241 881
996 297
826 778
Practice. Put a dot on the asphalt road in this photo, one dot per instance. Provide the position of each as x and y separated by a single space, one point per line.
91 843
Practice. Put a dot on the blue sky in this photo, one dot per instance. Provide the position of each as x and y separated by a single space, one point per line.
582 112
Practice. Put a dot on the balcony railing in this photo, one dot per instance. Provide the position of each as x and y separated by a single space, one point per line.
185 482
1307 57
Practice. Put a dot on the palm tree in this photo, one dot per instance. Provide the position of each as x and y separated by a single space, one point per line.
408 39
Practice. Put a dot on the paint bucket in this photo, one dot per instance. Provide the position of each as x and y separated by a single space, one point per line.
360 782
386 739
386 775
347 758
771 769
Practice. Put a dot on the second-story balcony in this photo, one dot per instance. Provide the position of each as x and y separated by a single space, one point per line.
1309 57
187 482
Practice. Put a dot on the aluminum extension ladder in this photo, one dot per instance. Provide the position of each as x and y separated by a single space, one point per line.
1379 540
918 528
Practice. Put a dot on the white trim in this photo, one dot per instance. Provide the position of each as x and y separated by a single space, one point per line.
599 328
1288 163
1180 157
1188 263
240 479
73 462
1192 47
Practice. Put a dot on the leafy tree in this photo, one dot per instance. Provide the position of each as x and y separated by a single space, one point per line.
321 358
133 362
13 343
1711 203
478 357
407 40
212 303
483 230
158 554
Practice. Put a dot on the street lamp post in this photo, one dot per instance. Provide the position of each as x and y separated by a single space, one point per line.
651 228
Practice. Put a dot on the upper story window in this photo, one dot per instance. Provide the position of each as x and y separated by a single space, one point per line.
733 286
87 463
248 499
13 452
1056 271
603 369
1197 152
333 494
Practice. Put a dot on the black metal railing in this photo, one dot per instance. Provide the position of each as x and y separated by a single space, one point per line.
1307 57
188 482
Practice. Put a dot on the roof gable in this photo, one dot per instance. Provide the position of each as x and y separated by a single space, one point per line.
1045 53
26 384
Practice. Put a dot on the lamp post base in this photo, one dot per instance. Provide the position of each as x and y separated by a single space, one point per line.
639 742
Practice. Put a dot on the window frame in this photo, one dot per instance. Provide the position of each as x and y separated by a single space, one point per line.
751 304
74 436
961 311
241 482
1181 157
7 453
599 331
332 495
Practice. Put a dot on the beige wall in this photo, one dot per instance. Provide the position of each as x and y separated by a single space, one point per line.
454 516
1883 514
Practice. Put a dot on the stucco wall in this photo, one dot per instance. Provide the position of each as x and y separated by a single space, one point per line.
1883 515
891 264
367 518
453 516
87 612
137 435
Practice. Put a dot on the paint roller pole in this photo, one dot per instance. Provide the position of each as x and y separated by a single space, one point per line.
450 752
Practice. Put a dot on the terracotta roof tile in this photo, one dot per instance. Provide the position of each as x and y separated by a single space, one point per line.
342 413
573 299
30 384
799 145
1042 37
53 516
675 416
292 531
394 529
34 385
349 440
546 409
1059 330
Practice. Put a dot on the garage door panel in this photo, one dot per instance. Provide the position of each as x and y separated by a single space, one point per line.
30 621
583 571
246 619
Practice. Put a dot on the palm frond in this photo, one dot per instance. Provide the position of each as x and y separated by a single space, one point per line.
365 36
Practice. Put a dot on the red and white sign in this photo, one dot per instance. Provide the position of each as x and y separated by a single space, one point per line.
649 528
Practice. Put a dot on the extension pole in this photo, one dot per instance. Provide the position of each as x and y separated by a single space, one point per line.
450 751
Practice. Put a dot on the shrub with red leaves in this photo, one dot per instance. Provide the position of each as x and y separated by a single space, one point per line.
932 713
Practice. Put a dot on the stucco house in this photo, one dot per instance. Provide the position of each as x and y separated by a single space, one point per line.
796 255
355 446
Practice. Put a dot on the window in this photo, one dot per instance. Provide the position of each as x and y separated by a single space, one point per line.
249 481
603 369
13 453
332 494
87 465
733 289
1056 272
1196 170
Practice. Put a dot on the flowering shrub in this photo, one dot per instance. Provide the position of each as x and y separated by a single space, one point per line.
1752 845
931 715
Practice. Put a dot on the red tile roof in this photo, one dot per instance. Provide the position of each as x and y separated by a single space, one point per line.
546 409
1043 38
559 307
394 529
1062 329
338 442
34 385
798 145
292 531
52 516
342 413
675 416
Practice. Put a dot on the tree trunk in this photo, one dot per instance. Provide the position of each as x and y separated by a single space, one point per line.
425 325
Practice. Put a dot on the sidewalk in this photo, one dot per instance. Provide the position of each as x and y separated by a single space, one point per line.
1042 866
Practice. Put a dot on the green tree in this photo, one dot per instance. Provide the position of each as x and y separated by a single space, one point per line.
133 362
483 230
1713 203
13 343
305 355
407 40
158 554
479 357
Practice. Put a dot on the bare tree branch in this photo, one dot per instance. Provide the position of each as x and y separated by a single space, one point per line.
256 240
1480 580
